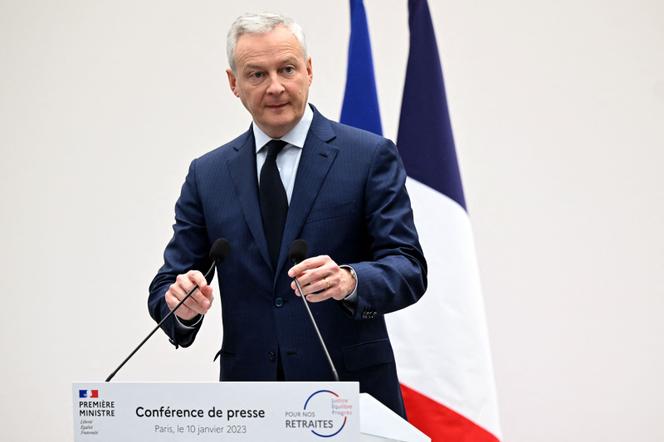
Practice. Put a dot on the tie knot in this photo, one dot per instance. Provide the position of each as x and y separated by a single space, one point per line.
274 147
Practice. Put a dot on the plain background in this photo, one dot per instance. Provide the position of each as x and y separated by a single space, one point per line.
557 109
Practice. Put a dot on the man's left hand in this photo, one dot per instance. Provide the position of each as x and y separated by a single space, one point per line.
321 278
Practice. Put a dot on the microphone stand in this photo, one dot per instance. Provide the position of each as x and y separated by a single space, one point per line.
191 292
320 337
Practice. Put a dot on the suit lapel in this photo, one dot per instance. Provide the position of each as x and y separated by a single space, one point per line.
242 169
315 162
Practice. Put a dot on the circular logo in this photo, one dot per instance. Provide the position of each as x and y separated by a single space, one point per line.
330 404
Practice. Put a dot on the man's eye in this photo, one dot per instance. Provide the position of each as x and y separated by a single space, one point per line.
288 70
257 75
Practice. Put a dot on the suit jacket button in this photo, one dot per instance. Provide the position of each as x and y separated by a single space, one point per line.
272 356
279 302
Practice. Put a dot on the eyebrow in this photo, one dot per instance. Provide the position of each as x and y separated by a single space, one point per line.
290 60
254 67
287 60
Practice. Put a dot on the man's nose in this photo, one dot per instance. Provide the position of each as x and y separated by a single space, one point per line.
275 87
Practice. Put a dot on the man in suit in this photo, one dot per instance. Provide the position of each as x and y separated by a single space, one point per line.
293 174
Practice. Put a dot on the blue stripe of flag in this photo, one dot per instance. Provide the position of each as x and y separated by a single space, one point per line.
360 106
425 139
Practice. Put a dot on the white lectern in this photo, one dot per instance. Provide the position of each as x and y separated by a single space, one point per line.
233 411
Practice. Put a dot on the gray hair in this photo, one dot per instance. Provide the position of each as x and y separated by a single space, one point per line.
251 23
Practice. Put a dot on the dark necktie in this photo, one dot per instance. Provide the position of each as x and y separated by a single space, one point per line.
274 203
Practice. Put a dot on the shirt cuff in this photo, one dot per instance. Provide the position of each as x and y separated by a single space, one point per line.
187 325
351 298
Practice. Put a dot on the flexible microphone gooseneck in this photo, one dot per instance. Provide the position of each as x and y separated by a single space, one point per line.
218 252
296 253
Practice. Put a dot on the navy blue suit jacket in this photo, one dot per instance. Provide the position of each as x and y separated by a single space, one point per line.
349 202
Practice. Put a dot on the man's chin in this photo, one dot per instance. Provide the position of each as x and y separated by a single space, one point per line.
277 128
280 122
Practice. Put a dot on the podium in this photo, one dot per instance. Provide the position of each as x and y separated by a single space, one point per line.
233 411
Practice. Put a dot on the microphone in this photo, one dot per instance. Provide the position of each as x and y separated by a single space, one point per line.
218 252
296 253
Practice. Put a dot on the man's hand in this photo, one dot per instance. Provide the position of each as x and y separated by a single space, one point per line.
321 278
198 303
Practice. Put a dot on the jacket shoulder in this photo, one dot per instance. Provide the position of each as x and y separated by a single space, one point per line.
360 136
221 153
344 134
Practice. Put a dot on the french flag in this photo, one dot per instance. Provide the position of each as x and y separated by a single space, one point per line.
88 394
441 343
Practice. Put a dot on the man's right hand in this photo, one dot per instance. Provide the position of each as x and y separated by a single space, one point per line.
198 303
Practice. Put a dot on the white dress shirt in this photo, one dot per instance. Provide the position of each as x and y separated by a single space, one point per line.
289 158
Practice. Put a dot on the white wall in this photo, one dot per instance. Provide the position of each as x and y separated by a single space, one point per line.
557 109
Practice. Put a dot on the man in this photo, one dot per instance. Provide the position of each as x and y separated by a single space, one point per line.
338 188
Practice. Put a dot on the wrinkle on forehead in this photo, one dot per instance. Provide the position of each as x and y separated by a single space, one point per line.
263 57
277 45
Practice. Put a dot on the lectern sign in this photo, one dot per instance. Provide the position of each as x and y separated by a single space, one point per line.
234 411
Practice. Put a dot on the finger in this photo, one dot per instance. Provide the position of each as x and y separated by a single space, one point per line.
196 302
313 276
171 299
197 278
176 291
183 311
295 289
317 286
183 283
208 292
320 296
204 290
189 302
307 264
203 293
195 306
187 283
179 294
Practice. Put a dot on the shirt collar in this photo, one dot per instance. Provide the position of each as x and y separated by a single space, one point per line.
295 137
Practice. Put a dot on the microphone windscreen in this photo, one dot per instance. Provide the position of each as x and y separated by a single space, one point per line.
219 250
298 250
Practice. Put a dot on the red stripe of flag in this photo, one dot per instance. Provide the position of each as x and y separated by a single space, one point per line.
439 422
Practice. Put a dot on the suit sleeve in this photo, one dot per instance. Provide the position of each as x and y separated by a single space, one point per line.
396 277
187 250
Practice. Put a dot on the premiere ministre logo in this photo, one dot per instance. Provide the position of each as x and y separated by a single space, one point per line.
90 404
92 407
325 414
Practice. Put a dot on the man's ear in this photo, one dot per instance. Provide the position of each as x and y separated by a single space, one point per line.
232 82
310 70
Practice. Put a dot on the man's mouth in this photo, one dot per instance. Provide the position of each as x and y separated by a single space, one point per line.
276 106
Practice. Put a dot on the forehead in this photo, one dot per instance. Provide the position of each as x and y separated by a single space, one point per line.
277 44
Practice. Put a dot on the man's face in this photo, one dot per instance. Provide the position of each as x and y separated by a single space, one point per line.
272 79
